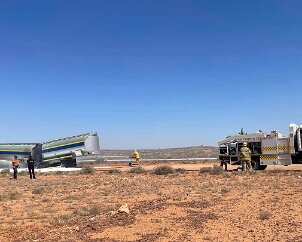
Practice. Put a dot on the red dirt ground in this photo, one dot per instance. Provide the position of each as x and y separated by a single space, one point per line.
231 206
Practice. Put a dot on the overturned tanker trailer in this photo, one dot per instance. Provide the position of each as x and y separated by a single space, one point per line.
65 151
57 152
7 151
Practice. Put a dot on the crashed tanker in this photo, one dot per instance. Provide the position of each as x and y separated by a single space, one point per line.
57 152
7 151
65 151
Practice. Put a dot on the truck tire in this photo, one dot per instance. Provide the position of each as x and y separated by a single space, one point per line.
262 167
257 167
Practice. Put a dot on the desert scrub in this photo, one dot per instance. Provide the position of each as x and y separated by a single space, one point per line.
180 170
224 190
5 171
13 195
215 170
114 171
88 211
62 220
264 215
87 170
38 190
137 170
163 170
205 169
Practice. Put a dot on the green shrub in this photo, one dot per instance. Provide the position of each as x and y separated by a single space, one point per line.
163 170
180 170
137 170
87 170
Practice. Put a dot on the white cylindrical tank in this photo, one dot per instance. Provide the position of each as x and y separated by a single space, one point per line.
92 144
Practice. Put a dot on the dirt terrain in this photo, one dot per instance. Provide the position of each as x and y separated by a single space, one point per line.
190 206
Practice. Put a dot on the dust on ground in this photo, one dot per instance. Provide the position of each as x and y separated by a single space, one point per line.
231 206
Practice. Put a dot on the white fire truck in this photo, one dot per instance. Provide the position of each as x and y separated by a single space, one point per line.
267 149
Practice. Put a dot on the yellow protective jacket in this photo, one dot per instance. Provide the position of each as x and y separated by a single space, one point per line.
245 154
135 155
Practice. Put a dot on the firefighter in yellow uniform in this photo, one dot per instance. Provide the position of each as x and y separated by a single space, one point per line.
245 157
135 155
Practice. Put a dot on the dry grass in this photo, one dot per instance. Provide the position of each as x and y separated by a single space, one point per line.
87 170
163 170
215 170
137 170
114 171
264 215
13 196
205 169
88 211
166 208
63 220
38 190
5 171
180 170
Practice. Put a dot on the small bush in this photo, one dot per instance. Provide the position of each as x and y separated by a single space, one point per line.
216 170
37 190
137 170
65 219
5 171
224 190
180 170
205 169
88 211
163 170
264 215
13 196
114 171
87 170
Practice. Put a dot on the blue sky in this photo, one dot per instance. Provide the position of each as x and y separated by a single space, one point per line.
148 74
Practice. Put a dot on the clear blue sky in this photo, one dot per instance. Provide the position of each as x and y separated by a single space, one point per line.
148 73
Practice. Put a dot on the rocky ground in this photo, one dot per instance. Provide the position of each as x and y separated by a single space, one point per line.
190 206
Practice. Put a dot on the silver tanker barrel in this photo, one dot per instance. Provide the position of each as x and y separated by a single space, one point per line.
65 151
8 151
